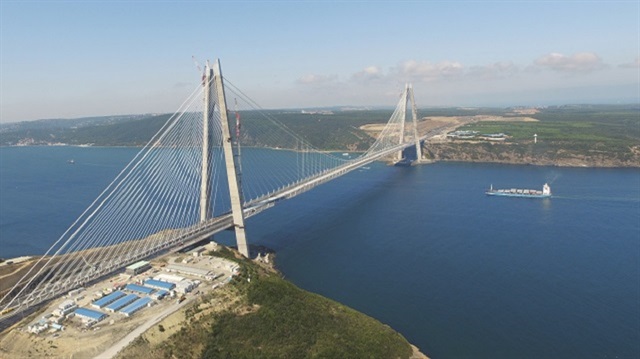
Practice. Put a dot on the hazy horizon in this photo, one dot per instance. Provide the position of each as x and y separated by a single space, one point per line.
340 107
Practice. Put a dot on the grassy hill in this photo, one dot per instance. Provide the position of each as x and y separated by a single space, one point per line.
260 315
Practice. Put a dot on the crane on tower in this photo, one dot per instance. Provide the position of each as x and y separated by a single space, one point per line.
199 68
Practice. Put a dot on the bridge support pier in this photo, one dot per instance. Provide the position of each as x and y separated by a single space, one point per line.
233 178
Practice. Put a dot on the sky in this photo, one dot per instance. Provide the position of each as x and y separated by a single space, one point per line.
67 59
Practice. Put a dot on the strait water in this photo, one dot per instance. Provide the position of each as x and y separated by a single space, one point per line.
458 273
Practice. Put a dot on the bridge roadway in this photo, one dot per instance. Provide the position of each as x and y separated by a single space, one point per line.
198 232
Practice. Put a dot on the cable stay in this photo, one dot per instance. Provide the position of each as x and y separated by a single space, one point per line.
154 204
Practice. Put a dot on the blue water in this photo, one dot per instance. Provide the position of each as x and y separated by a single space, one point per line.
458 273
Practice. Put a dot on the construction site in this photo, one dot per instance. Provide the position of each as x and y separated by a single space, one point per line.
101 315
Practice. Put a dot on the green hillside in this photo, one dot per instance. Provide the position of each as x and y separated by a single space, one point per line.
135 132
272 318
338 131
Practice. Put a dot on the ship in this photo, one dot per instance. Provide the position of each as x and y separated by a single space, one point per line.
516 192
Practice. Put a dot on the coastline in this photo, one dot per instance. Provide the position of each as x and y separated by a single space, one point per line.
540 164
16 343
436 153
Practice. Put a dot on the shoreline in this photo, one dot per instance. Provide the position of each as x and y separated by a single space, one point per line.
15 260
509 163
562 164
173 316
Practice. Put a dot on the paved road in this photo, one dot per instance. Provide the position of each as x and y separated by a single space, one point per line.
111 352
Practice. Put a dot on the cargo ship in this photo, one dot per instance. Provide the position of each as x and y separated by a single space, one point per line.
516 192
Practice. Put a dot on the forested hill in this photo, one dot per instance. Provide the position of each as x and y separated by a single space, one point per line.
126 131
571 135
326 130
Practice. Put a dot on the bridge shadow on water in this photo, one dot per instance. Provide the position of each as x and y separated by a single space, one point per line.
298 220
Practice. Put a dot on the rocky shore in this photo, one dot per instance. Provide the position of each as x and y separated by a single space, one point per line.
509 154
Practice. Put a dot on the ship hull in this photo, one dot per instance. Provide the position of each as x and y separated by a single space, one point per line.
521 195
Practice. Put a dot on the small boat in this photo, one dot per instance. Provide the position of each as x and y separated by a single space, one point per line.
71 162
516 192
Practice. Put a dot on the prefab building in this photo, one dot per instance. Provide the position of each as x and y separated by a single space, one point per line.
159 294
171 278
139 289
89 314
158 284
188 270
104 301
135 306
122 302
137 268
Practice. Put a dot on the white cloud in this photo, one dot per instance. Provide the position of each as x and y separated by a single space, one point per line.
427 71
578 63
368 74
631 65
451 82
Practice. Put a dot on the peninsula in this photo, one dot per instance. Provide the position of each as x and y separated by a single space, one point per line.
251 313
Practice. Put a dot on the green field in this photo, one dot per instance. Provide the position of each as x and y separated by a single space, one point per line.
607 131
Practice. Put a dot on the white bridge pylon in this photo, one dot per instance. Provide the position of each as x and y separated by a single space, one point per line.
192 180
407 96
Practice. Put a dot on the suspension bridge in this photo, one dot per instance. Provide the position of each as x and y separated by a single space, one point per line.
196 177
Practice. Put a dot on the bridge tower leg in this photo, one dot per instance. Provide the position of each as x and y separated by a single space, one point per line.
235 188
407 96
414 115
404 116
207 113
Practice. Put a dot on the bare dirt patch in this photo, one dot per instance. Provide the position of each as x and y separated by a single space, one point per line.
451 122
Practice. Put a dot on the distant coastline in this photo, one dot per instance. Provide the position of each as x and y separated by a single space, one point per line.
451 152
565 136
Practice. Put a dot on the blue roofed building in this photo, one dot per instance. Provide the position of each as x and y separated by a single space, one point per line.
135 306
159 284
139 289
89 314
129 298
106 300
